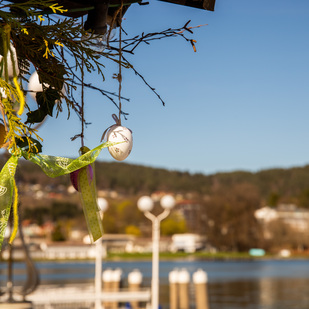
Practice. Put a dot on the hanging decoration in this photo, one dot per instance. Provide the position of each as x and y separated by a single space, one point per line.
55 47
52 166
74 177
86 185
124 136
2 134
8 194
11 60
83 179
117 133
120 135
35 86
25 43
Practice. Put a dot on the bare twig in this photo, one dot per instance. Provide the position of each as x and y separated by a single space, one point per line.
146 83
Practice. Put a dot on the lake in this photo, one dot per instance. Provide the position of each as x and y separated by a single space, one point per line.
259 284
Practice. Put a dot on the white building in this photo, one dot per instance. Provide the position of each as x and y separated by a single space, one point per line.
294 217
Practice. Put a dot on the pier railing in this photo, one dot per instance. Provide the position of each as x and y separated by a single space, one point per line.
83 297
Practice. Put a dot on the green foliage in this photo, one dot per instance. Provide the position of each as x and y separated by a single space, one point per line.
45 42
60 210
304 198
133 230
46 102
38 214
58 234
273 199
23 143
173 225
131 180
57 211
120 215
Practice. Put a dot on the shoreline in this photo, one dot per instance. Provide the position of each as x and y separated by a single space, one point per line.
180 256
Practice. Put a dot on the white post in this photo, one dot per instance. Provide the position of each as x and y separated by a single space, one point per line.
135 279
155 255
115 284
200 280
98 274
103 205
145 204
155 263
184 280
107 278
173 282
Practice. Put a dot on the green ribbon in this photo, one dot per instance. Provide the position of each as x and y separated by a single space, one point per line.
88 195
58 166
7 188
53 166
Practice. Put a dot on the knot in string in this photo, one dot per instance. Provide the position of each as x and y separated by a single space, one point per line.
118 123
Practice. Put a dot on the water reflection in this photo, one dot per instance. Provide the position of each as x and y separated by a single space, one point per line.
232 284
262 293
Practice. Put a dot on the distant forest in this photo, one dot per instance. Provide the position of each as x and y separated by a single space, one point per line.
272 186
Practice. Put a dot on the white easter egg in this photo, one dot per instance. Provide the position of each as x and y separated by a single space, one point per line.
10 64
123 135
35 86
3 93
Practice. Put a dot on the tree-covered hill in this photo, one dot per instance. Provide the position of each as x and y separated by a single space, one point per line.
273 185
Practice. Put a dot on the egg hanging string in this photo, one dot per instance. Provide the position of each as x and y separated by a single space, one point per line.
117 133
119 75
118 123
120 59
83 179
82 101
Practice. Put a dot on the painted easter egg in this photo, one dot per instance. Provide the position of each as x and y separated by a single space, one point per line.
74 177
123 135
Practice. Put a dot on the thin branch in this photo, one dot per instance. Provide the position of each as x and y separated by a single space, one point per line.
146 83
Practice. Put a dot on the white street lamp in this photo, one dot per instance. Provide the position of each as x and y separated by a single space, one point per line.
103 205
145 204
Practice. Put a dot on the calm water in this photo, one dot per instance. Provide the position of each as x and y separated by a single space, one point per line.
266 284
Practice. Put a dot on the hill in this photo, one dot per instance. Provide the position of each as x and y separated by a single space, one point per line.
273 185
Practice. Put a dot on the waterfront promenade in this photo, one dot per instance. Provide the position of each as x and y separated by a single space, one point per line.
232 284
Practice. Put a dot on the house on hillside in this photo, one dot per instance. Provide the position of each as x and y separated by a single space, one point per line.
290 214
285 219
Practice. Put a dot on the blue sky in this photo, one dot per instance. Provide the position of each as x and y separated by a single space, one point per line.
239 103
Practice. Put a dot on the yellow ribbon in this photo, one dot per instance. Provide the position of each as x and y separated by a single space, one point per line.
20 96
8 196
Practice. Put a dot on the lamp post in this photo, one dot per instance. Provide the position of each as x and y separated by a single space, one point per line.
103 205
145 204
